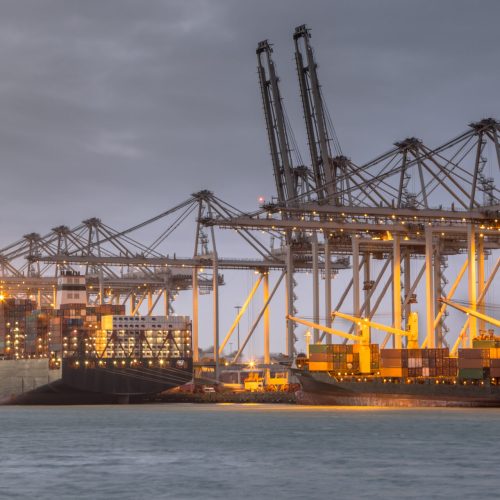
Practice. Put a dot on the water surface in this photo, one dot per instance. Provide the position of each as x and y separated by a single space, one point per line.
248 451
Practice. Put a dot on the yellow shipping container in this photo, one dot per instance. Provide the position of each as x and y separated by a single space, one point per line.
107 322
101 340
320 366
494 352
394 372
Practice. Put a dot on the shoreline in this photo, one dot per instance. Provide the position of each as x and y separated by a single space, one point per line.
228 397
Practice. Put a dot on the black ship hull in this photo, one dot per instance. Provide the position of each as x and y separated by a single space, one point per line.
322 389
106 381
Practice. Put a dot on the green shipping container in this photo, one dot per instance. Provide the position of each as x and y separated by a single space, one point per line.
472 373
319 348
485 344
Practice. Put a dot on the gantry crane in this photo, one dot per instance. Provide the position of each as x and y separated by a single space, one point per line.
364 338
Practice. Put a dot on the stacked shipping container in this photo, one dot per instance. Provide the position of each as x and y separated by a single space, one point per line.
412 363
13 313
476 363
340 358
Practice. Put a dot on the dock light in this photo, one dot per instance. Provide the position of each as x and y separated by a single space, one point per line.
161 361
251 364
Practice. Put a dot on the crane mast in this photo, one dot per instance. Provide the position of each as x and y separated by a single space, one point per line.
315 115
276 124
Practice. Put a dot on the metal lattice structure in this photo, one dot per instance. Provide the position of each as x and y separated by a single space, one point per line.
413 202
413 209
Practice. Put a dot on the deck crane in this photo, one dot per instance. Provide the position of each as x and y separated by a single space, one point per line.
290 180
364 338
327 170
471 312
411 332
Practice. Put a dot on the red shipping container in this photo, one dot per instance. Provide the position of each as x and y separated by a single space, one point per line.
470 363
391 363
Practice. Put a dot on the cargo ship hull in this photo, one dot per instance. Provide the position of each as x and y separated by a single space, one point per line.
34 382
323 389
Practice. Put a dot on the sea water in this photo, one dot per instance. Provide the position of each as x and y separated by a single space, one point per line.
248 451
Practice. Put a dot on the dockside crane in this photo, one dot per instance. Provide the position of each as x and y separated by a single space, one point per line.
327 170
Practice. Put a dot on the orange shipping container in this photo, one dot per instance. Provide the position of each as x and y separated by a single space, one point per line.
394 372
320 366
494 353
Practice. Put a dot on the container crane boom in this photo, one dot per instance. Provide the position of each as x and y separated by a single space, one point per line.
471 312
276 124
315 115
411 333
331 331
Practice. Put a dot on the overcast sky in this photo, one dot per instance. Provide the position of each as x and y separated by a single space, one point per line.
120 109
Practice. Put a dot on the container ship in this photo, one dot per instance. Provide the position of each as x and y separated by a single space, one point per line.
79 354
362 374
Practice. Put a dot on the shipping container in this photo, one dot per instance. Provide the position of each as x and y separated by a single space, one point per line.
471 373
394 372
320 366
321 357
464 363
473 353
